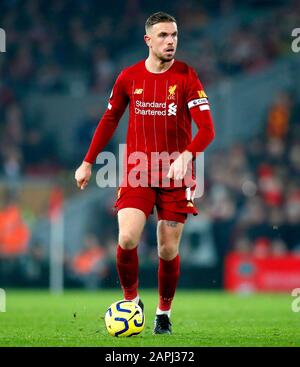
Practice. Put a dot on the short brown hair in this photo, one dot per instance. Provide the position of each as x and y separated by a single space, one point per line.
159 17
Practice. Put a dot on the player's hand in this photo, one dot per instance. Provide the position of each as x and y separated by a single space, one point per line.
179 167
83 175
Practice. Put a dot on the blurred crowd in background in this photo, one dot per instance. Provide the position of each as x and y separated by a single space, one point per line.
252 192
47 42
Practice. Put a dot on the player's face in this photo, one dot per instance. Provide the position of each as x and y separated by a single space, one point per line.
162 40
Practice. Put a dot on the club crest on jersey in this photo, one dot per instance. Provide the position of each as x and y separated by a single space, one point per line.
202 94
138 91
172 90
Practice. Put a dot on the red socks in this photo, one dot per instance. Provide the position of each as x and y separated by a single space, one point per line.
168 275
128 268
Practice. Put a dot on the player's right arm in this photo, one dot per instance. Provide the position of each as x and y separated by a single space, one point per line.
118 102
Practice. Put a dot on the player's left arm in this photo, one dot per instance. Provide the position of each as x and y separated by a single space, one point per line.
200 112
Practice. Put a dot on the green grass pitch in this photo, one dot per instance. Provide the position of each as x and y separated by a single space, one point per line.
36 318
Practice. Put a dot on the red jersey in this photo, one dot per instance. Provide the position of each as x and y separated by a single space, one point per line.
160 107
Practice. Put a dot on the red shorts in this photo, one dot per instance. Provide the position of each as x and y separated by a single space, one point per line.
171 203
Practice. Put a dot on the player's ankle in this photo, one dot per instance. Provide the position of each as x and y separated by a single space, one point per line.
163 312
136 299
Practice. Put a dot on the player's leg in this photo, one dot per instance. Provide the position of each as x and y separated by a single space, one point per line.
134 205
168 237
131 224
169 233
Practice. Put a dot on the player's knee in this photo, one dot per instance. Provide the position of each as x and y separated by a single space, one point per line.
127 240
167 251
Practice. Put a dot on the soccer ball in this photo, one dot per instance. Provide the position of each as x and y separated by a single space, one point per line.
124 318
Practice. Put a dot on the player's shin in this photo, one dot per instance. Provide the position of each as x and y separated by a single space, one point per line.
127 267
168 275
